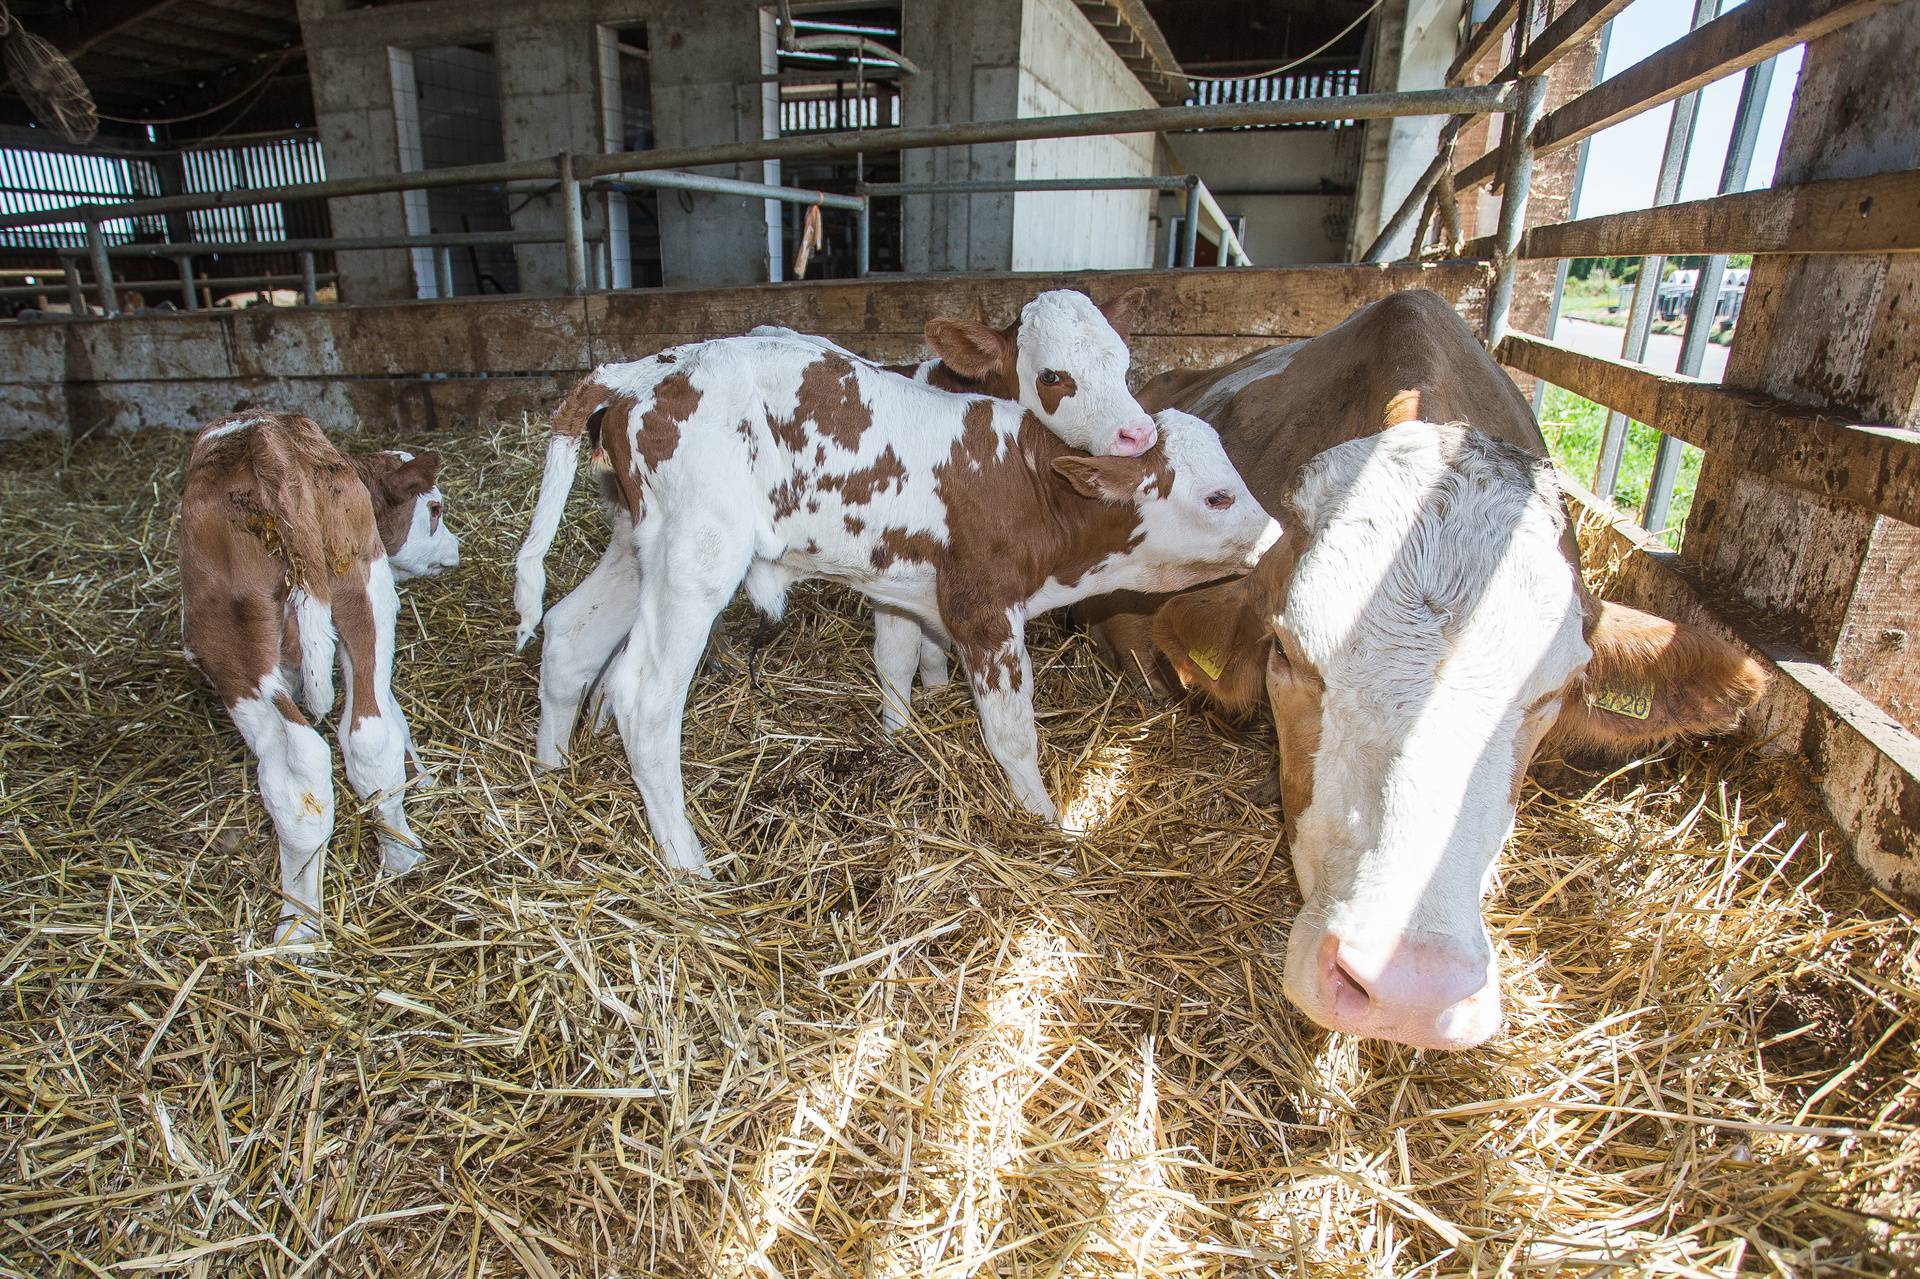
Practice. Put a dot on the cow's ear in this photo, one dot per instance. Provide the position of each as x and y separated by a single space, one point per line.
414 476
1105 479
1120 312
1651 680
970 348
1217 643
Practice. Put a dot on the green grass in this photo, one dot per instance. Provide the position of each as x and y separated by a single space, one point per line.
1573 428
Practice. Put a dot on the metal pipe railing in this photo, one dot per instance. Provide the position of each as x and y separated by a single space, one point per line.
1177 182
239 284
1361 106
322 244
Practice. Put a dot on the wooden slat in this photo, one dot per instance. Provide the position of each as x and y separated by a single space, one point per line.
1732 42
1482 38
1873 466
1482 169
1880 214
1578 22
1862 761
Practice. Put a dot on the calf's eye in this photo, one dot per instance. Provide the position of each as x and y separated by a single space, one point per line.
1219 500
1049 377
433 516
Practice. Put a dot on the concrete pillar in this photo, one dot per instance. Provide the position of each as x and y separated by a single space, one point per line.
353 106
1414 42
549 104
969 57
708 60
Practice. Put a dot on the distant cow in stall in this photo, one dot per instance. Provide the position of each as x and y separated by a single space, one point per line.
771 459
289 553
1417 633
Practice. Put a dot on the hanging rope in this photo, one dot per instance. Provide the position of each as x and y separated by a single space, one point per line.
1303 58
215 109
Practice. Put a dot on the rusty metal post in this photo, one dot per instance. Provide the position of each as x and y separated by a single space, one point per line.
863 258
1516 180
443 271
573 222
76 294
184 264
309 286
102 270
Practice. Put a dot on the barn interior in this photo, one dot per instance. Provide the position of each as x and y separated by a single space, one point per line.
909 1031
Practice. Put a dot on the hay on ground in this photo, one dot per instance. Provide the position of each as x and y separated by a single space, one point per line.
907 1032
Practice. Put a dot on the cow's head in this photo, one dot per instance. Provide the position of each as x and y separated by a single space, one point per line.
1418 633
409 512
1064 359
1194 518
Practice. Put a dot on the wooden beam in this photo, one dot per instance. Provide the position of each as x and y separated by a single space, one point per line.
1863 763
102 22
1732 42
1480 170
1880 214
1823 453
1482 38
1578 22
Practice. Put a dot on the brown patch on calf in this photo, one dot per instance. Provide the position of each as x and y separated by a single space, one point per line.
1216 643
974 357
674 400
394 486
857 488
266 510
1123 310
1051 393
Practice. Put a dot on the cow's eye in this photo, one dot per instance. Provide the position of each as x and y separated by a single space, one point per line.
1219 500
1049 377
433 516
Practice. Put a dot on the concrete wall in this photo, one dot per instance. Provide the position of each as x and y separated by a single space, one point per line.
1282 230
1065 68
385 367
1415 42
969 60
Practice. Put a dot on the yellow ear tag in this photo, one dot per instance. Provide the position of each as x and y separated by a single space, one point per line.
1208 660
1635 701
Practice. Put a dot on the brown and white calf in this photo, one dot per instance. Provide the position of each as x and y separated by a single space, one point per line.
1417 633
769 459
288 556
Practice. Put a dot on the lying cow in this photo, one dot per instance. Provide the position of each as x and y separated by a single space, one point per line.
287 549
1418 632
770 460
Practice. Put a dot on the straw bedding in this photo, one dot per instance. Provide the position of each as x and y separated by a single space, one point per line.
906 1032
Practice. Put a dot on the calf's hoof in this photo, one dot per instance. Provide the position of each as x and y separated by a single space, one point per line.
1267 792
297 930
397 858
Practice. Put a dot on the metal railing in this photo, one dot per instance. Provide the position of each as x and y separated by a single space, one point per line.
666 166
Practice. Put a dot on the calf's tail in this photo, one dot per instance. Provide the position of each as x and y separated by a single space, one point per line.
570 423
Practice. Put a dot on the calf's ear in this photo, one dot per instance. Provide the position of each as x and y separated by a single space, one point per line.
1105 479
970 348
1120 312
1217 643
1651 680
412 478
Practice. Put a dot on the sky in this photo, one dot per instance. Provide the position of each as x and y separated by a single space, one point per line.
1623 162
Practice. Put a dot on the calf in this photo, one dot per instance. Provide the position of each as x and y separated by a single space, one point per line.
1417 634
770 460
288 554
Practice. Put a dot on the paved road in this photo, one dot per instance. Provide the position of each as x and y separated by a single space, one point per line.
1663 349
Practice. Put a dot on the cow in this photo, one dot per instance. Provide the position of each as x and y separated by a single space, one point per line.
771 459
289 555
1417 633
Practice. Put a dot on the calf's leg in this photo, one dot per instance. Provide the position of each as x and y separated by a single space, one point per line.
688 571
896 652
583 630
1002 678
933 660
373 730
240 653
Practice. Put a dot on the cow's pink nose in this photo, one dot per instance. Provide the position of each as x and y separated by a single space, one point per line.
1431 992
1132 441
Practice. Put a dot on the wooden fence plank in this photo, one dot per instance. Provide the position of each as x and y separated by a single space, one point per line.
1484 169
1732 42
1879 214
1482 38
1577 22
1870 465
